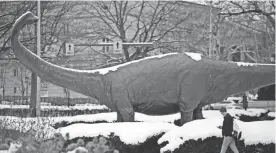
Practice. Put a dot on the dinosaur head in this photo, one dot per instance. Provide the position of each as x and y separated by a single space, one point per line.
26 19
30 18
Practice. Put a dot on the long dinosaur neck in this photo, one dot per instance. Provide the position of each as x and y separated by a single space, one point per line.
76 80
237 78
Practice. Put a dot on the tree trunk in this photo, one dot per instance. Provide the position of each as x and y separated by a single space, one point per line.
33 104
3 96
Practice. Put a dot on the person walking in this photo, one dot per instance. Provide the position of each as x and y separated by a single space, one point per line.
227 129
245 102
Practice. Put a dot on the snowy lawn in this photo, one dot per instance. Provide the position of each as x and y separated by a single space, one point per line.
112 116
237 112
138 132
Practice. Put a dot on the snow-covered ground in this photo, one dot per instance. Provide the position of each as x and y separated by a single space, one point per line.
134 133
236 112
138 132
271 114
112 116
252 132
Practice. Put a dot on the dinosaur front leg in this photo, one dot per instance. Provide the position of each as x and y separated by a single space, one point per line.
191 92
125 115
186 114
197 113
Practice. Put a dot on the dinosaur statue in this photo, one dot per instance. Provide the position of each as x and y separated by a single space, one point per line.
156 85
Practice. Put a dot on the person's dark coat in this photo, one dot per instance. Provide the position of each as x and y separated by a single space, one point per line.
227 126
245 102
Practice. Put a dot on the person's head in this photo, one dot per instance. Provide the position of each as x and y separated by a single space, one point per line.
223 111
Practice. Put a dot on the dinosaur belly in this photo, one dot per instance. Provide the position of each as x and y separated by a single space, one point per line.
156 108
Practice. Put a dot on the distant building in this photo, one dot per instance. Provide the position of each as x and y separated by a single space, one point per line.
15 79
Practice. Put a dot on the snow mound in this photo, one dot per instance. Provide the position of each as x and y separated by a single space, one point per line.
112 116
258 132
235 112
271 114
129 133
191 130
108 117
252 132
194 56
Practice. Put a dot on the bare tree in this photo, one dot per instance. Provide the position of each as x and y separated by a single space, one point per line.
52 24
8 17
251 8
137 21
250 23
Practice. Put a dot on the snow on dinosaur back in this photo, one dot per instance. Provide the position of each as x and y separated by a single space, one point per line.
114 68
194 56
104 71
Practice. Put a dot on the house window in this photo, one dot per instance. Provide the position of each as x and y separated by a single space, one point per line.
14 90
105 48
15 72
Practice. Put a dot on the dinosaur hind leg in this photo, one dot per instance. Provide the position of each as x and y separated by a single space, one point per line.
189 115
186 114
125 115
191 92
119 117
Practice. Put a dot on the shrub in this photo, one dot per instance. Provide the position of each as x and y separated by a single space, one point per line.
24 112
262 117
113 144
39 128
213 144
208 145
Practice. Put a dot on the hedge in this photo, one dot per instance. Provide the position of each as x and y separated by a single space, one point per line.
113 144
263 116
208 145
24 112
213 144
65 123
